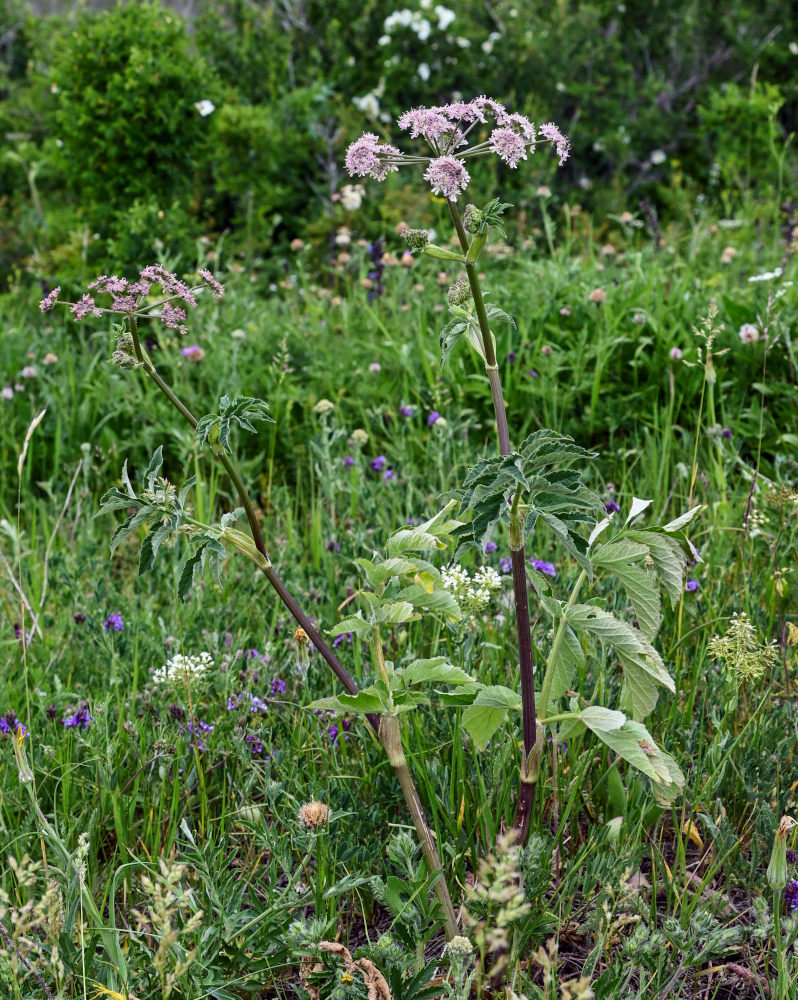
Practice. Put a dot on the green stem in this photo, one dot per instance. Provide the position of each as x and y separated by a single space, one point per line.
520 591
781 968
391 737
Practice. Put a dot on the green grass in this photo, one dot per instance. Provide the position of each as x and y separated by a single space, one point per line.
657 905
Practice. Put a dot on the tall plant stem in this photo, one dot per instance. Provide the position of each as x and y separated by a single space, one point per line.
529 767
257 535
391 738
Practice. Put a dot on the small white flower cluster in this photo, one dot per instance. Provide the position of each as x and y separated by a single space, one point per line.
473 595
182 669
416 21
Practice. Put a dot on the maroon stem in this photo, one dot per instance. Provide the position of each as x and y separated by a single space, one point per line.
527 791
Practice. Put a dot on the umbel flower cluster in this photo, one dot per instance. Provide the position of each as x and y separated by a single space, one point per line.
182 669
473 595
447 128
128 297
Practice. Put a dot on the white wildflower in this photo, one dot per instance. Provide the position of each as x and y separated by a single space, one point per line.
182 669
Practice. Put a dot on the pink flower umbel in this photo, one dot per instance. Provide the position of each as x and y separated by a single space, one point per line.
50 300
446 129
368 157
86 307
447 176
508 146
561 144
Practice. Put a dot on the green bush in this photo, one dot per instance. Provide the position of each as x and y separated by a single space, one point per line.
128 83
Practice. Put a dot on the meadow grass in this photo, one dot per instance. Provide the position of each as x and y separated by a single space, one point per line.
640 899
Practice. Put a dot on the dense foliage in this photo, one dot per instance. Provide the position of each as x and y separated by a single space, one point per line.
113 146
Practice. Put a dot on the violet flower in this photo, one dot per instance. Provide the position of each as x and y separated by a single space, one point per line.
446 129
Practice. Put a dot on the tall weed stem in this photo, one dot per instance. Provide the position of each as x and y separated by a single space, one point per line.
526 792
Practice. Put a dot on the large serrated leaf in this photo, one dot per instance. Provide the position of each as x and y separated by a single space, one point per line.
638 506
368 699
634 743
426 536
683 520
668 557
394 613
570 658
436 670
642 665
621 557
488 711
552 494
354 623
440 601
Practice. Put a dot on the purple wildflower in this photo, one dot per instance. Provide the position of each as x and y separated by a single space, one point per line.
111 286
86 307
505 564
348 461
10 724
339 640
546 568
407 411
790 856
157 275
114 623
78 618
490 547
333 546
174 317
691 586
255 743
427 122
790 895
533 373
212 283
388 475
82 718
511 357
378 463
433 418
557 139
124 304
175 711
245 700
252 654
332 732
199 726
509 146
49 301
447 176
278 686
727 433
611 507
367 156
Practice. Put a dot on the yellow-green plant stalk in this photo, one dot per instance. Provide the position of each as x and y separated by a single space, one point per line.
777 879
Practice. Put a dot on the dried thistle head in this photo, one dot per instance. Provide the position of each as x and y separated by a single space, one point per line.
314 814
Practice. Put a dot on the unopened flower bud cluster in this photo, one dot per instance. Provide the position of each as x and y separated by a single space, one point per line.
181 669
473 595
